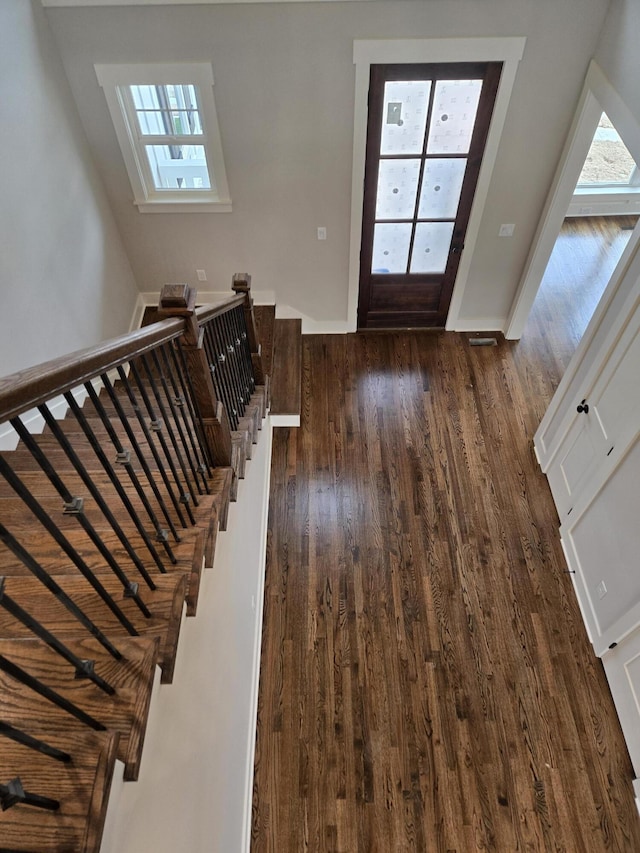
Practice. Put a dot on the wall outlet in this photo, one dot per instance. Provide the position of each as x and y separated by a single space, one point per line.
202 276
322 233
506 230
601 590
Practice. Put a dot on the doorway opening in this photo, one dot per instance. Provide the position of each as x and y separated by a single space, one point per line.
591 241
598 96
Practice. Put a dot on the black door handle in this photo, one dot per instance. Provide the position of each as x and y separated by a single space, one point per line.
583 408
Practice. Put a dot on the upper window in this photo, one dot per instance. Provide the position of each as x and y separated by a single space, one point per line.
166 124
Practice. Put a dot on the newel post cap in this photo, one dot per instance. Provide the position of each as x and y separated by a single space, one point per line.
241 282
177 300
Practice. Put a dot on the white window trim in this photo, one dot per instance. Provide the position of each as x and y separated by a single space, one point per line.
111 78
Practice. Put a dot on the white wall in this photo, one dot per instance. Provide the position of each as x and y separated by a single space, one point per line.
617 53
285 97
65 281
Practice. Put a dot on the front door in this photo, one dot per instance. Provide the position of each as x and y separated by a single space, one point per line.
426 134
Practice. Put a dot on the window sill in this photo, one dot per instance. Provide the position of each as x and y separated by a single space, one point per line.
605 201
222 206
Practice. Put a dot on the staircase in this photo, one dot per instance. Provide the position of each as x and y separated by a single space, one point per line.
107 518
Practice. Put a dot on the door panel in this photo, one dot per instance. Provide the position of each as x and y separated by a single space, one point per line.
622 666
601 539
608 423
426 134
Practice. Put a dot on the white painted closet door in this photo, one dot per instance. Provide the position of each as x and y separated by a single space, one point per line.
601 540
597 437
622 667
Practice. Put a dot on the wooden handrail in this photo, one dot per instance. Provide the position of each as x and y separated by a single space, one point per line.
25 389
205 313
32 386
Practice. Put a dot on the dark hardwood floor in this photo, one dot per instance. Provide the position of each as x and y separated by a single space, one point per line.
427 683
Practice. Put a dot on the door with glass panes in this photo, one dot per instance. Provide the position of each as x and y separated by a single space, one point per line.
426 134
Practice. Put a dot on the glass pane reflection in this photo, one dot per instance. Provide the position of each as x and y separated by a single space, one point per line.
455 105
397 188
390 247
404 116
441 187
431 247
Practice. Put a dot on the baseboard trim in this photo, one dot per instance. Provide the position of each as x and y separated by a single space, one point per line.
478 324
150 298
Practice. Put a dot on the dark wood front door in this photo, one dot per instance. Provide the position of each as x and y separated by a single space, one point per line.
426 134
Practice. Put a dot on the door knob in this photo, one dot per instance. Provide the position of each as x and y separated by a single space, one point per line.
583 408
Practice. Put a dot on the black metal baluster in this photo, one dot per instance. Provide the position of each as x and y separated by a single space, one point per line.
241 326
236 377
13 793
225 370
168 421
96 494
124 420
157 426
36 569
11 733
214 367
47 522
123 457
217 358
183 372
242 364
152 446
176 406
122 494
41 689
84 668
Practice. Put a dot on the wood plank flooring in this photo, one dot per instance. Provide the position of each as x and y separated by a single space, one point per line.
286 393
427 683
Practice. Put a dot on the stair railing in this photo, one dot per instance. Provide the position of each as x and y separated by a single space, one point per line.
156 409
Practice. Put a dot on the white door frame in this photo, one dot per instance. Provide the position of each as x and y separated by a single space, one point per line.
598 95
401 51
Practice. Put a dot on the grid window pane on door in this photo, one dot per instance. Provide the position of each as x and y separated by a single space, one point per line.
406 104
435 120
391 241
455 105
397 189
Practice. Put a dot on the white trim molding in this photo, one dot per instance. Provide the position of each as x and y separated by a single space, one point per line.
509 51
598 96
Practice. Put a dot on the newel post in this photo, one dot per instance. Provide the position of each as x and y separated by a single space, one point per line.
242 284
179 300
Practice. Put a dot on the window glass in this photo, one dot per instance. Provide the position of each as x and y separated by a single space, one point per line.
178 167
608 161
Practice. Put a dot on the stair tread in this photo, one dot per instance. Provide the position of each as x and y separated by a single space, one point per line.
82 788
164 603
286 374
125 712
197 545
30 473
